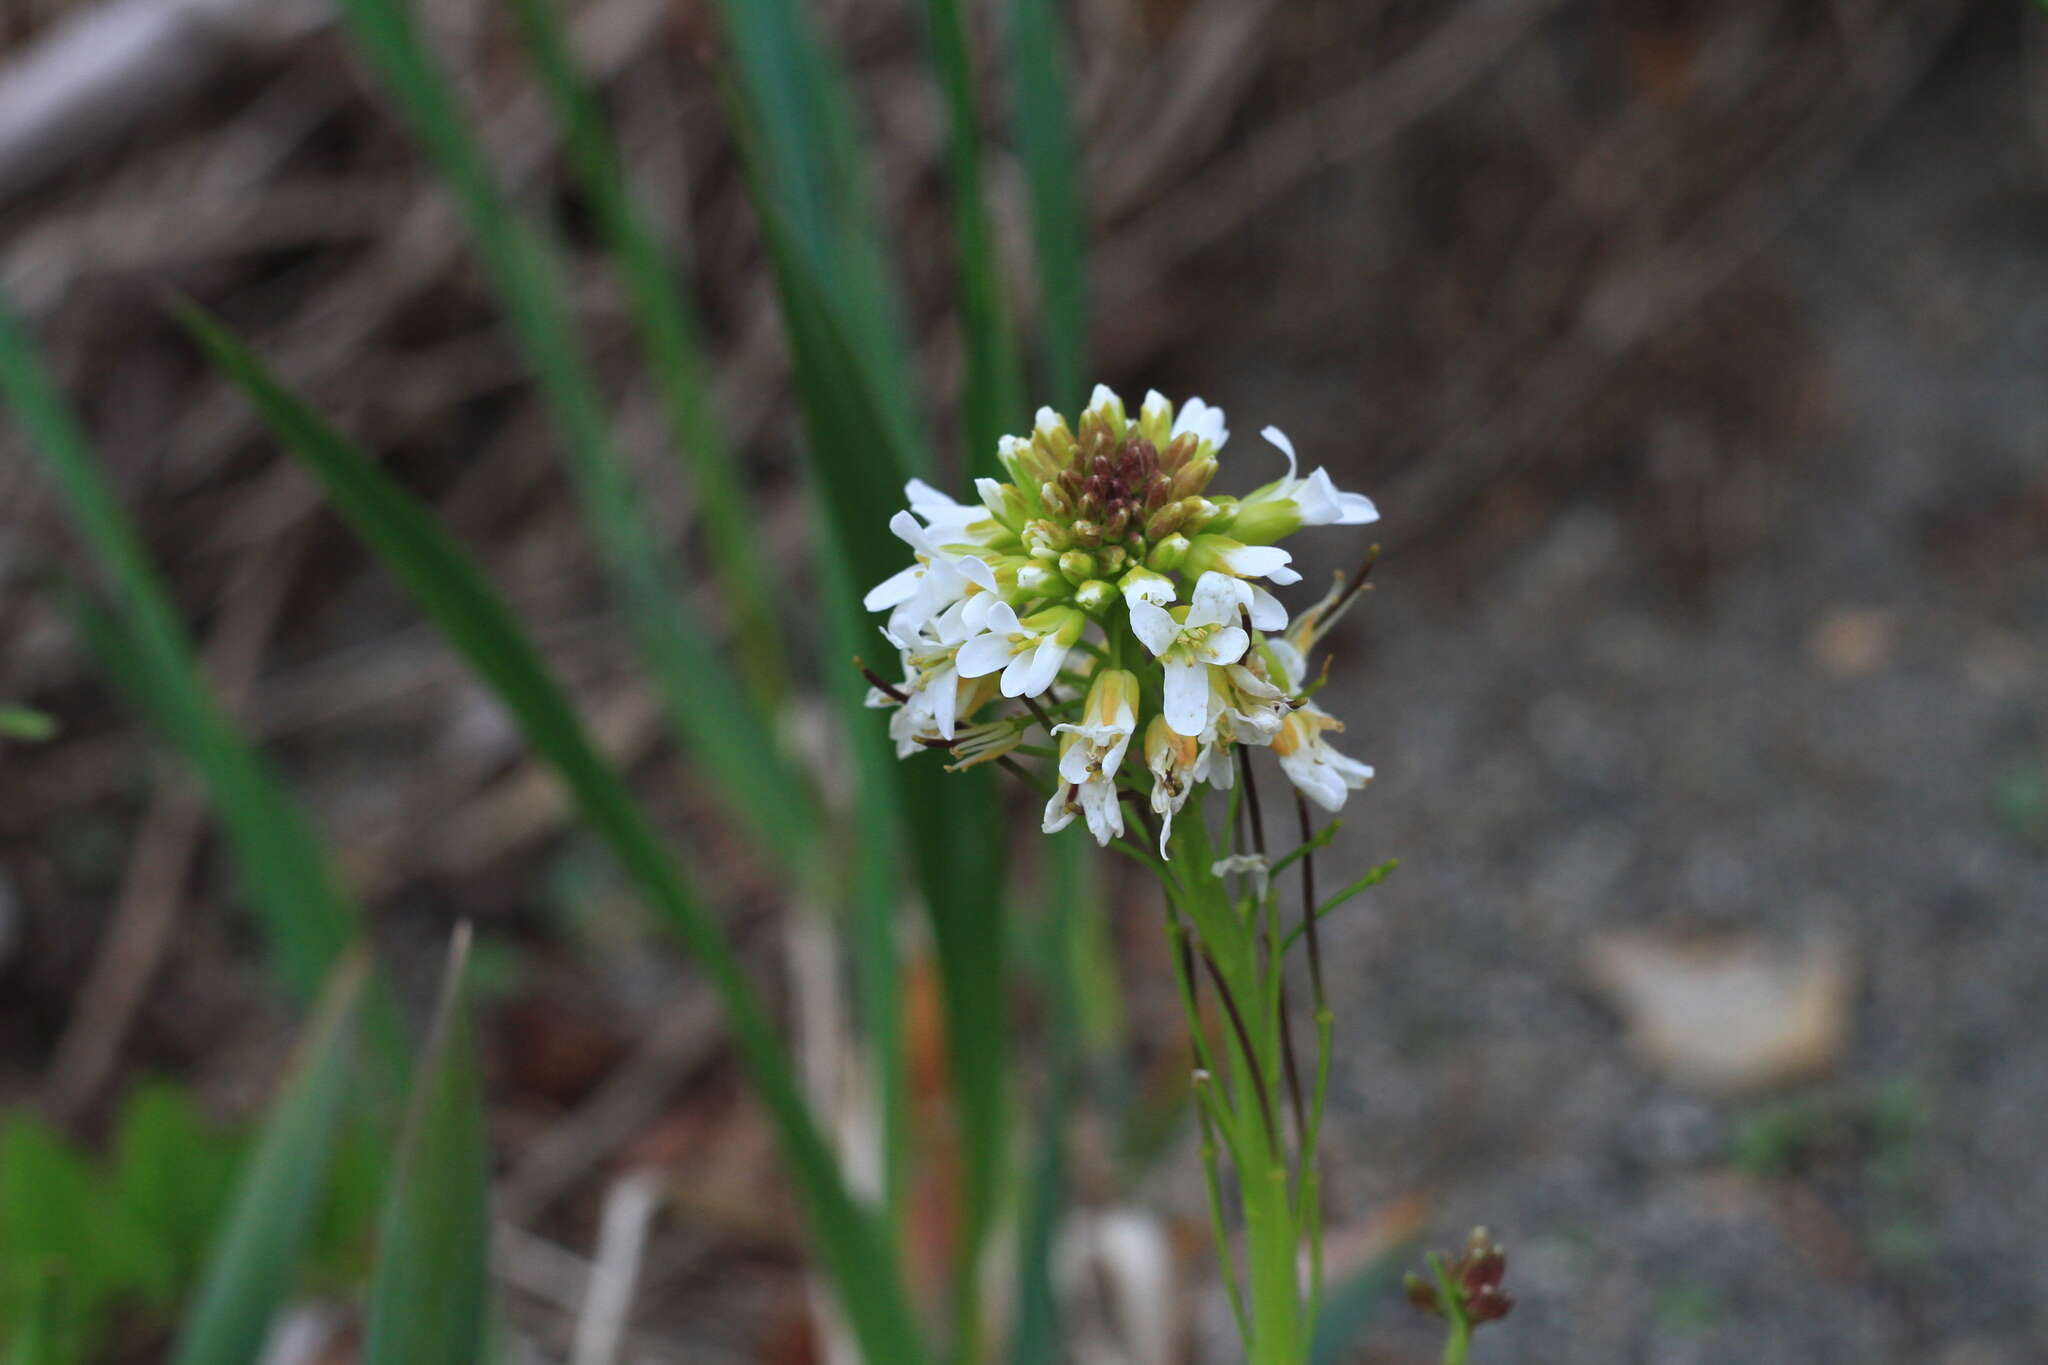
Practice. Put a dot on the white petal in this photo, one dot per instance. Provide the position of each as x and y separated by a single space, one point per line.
976 571
1316 781
1103 397
1154 406
1226 646
1154 588
1279 438
1105 815
1203 421
907 530
1187 697
1267 613
1292 665
1218 599
1356 509
897 587
945 690
1058 813
1048 421
983 655
925 499
1154 627
1043 666
1003 621
1165 831
1261 561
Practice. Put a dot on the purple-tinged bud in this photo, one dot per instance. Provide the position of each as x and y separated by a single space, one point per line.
1118 523
1179 451
1158 492
1055 499
1422 1294
1086 532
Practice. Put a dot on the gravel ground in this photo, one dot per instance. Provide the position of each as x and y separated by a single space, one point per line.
1806 736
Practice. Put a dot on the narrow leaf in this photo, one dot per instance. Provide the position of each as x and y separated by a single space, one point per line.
256 1255
429 1294
1044 124
306 919
475 620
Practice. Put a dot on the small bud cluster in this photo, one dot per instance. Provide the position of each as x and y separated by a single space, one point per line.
1474 1277
1103 584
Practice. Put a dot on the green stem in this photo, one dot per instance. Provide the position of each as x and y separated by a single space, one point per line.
1458 1329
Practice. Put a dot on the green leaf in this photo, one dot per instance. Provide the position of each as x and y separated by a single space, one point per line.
727 734
475 620
995 403
669 335
55 1220
429 1298
174 1171
255 1258
306 918
1044 125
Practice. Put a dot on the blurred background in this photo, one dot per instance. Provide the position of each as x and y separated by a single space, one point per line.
1694 356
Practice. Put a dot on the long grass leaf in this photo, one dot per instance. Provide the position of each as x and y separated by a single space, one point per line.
475 620
994 398
429 1293
306 919
956 845
727 734
807 161
255 1258
1046 146
669 335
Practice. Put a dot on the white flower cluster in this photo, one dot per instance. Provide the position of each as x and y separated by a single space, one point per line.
1103 583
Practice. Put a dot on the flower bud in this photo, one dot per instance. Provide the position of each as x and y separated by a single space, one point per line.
1094 595
1167 555
1192 477
1055 499
1155 418
1178 451
1077 566
1036 579
1114 559
1085 532
1200 512
1166 521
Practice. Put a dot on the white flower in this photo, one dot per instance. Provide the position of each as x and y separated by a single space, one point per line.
1172 759
1245 706
948 521
1090 754
1291 502
1143 585
1029 652
1207 637
932 585
1323 775
934 697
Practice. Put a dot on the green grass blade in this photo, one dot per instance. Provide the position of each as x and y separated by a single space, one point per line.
957 846
429 1294
306 919
474 619
726 732
994 399
669 335
808 164
1052 174
256 1256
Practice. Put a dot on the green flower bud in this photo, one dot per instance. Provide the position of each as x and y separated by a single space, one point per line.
1113 559
1035 579
1094 595
1077 566
1167 555
1166 521
1200 512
